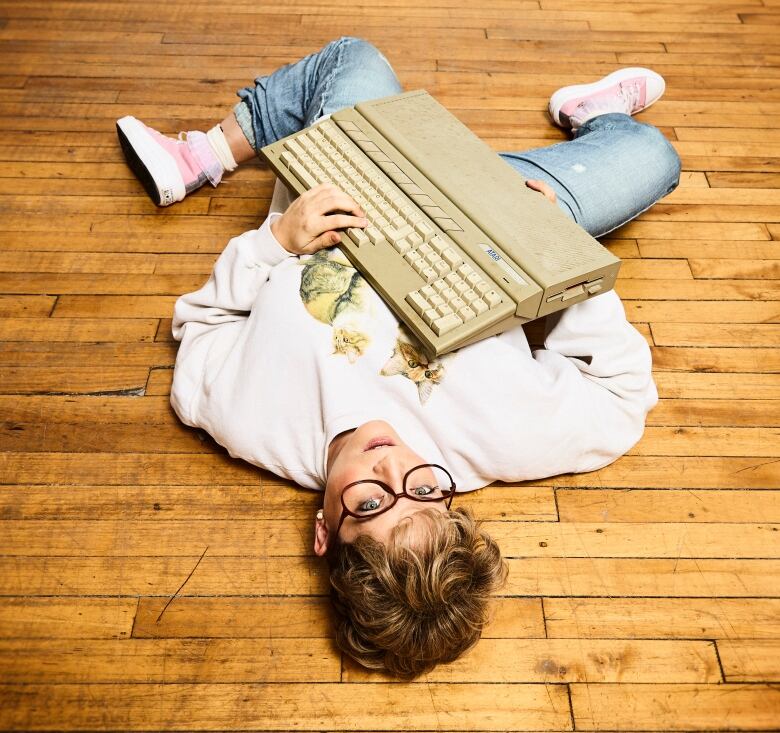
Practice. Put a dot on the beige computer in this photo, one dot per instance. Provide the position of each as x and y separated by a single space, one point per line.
456 243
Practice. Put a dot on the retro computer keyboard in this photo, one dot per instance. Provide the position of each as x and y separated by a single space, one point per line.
456 244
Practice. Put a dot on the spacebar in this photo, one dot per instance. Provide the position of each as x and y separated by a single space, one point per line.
397 278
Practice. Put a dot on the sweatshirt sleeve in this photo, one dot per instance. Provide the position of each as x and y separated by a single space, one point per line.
604 367
209 321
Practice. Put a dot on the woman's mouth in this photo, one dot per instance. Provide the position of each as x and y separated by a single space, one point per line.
378 443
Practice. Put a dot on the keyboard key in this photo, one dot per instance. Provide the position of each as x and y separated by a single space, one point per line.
294 148
466 314
478 306
302 174
374 235
434 212
451 257
482 287
424 230
427 291
423 200
469 296
417 302
428 274
415 239
358 236
492 298
444 309
451 279
445 324
472 279
402 246
457 303
441 267
439 286
436 300
432 258
438 244
395 234
448 225
425 249
419 266
460 287
430 316
287 157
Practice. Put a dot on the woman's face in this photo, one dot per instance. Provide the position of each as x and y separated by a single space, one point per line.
372 451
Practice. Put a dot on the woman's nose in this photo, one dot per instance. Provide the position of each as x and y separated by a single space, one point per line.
390 469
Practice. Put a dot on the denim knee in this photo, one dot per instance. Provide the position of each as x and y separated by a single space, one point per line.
665 152
360 49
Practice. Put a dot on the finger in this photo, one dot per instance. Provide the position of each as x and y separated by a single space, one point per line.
542 187
339 201
341 221
326 239
318 190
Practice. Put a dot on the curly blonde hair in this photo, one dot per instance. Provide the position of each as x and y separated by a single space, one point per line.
405 607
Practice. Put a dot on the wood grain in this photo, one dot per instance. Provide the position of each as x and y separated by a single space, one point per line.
643 596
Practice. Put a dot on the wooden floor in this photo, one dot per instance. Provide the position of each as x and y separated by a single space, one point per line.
645 596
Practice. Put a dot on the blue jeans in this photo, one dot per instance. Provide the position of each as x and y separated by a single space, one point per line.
614 169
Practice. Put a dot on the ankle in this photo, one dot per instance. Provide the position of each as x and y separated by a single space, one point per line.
201 150
219 144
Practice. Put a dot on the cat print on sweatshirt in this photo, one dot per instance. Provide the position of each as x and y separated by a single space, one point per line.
409 361
335 293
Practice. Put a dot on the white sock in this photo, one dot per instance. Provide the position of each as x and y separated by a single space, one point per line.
219 144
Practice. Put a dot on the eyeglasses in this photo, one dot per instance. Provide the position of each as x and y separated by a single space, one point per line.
368 498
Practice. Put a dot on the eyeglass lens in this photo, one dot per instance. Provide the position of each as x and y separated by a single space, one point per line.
426 483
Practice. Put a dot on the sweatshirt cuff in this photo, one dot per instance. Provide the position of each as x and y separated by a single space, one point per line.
266 247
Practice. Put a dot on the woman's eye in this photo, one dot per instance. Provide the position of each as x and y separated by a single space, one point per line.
424 490
369 505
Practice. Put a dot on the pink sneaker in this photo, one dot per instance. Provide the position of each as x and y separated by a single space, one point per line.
626 90
168 169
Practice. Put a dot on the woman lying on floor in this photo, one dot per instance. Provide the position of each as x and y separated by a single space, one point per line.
290 360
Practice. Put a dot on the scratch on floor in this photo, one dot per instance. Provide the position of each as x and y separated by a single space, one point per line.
170 600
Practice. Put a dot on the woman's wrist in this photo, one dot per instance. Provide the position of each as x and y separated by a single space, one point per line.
279 234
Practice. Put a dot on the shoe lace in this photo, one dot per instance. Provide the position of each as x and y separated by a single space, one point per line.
630 93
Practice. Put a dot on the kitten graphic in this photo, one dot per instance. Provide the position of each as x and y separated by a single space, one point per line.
335 293
409 360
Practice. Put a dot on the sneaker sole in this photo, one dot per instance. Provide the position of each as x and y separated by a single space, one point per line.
154 167
565 94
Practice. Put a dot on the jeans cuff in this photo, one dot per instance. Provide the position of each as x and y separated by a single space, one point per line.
243 117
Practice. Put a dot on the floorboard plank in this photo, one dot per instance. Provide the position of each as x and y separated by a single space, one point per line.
675 707
269 706
665 618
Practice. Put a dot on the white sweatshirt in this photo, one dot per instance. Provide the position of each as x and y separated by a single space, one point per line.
281 353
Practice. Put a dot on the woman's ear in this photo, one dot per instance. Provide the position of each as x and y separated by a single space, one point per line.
320 534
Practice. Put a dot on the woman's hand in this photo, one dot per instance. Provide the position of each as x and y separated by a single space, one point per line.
309 223
543 188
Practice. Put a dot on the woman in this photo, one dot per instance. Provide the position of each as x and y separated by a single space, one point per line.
293 363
